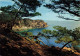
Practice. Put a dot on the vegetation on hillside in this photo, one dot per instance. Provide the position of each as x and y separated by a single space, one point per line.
12 44
26 24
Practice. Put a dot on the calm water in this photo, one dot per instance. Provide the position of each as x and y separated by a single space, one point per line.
68 24
51 42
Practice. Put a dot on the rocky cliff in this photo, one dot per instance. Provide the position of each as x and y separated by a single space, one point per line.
24 24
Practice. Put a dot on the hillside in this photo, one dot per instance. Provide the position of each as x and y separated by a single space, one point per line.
12 44
24 24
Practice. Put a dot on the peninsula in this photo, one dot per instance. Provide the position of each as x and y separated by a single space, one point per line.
25 24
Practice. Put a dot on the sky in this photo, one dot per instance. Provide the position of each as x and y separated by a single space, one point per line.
5 2
47 14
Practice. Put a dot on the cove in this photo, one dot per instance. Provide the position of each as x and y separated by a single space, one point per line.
51 41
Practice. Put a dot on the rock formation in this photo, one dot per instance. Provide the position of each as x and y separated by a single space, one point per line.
12 44
24 24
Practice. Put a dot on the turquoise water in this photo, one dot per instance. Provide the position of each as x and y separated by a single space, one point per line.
51 41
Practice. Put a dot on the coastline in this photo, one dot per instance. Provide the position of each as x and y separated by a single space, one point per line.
27 24
25 29
22 29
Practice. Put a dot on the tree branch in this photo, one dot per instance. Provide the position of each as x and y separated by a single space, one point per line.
74 13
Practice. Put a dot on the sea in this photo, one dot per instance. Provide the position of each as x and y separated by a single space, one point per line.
51 42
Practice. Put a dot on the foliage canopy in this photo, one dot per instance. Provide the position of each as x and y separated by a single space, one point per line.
65 6
64 35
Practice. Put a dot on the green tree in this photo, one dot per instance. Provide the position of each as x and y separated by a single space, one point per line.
64 35
65 7
5 17
27 8
21 8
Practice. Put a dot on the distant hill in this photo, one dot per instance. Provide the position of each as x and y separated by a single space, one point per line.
24 24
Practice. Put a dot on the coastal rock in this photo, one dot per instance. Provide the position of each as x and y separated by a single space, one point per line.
12 44
24 24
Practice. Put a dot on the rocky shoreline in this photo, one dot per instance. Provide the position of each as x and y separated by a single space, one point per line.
25 24
12 44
